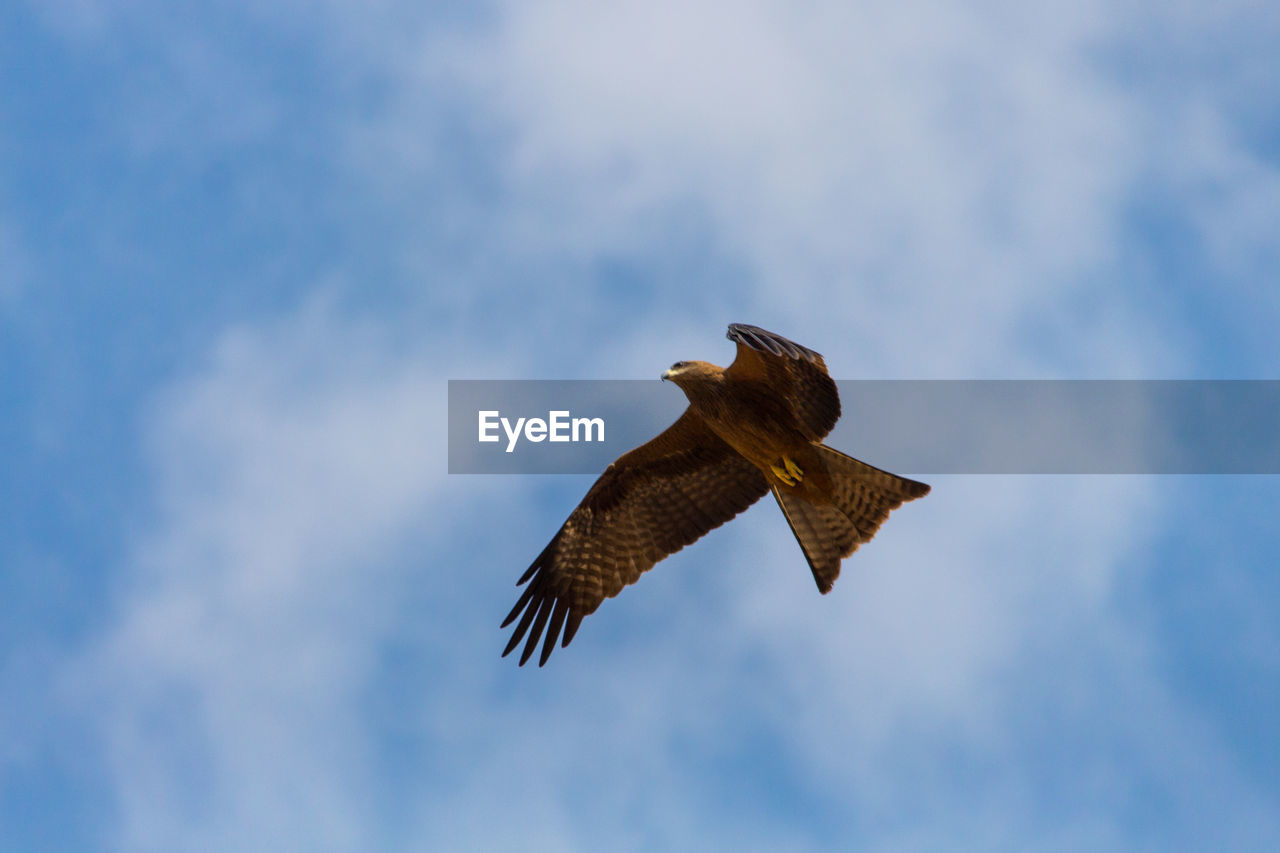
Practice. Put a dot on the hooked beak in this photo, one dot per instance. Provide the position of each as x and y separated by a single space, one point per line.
667 374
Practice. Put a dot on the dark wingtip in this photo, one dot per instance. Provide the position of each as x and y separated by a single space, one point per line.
537 562
571 627
766 341
531 609
535 632
553 630
515 611
536 604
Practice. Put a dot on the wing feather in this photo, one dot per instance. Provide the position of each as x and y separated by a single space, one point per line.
793 374
648 504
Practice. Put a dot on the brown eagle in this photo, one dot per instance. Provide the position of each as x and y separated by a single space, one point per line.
749 429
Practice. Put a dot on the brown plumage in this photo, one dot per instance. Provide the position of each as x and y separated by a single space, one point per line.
754 427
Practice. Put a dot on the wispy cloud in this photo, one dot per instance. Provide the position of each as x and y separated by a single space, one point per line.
252 609
302 648
911 166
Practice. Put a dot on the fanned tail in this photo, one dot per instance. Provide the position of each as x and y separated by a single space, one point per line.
860 501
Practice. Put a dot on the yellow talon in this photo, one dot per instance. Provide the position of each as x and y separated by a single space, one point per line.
791 475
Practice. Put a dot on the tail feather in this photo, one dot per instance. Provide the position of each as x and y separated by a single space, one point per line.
861 499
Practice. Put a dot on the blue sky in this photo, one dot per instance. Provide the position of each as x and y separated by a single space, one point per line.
242 249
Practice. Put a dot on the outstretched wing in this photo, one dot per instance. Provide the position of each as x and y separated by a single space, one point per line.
794 374
651 502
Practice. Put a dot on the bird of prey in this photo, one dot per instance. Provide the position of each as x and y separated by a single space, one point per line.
752 428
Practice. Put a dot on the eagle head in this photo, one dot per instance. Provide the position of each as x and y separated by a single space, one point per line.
690 373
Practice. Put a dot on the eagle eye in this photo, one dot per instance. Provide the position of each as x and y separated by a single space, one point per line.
679 364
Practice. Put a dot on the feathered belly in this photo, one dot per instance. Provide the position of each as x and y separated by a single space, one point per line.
761 441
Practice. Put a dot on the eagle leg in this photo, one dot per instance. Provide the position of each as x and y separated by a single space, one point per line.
791 474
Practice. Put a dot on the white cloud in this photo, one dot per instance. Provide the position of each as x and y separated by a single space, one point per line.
251 612
914 190
929 622
934 173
